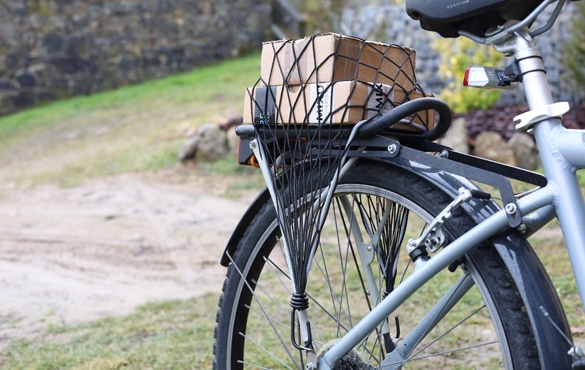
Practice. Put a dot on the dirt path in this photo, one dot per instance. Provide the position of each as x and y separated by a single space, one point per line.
77 254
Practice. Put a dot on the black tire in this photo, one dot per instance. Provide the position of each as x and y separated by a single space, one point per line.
498 335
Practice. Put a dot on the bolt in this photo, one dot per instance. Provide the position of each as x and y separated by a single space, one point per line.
510 208
392 148
522 228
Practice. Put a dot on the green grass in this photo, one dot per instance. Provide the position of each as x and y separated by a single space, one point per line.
135 128
159 335
224 82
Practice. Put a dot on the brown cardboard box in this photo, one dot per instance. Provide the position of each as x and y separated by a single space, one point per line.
332 57
339 102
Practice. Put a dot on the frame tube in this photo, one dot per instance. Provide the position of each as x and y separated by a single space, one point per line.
561 151
432 318
483 231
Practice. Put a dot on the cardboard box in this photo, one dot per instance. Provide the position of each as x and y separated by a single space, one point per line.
331 57
339 102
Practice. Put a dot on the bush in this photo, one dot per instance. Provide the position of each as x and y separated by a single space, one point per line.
456 56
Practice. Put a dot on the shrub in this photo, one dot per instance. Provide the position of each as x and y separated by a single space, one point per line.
456 56
574 51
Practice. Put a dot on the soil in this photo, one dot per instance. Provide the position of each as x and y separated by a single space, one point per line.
70 255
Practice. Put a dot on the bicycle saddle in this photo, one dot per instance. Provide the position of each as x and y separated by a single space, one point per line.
448 17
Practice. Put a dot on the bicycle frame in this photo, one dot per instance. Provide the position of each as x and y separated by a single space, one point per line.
562 152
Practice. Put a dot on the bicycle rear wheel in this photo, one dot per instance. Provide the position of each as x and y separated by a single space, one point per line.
360 257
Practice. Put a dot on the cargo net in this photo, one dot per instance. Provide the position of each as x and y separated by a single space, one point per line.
329 79
310 94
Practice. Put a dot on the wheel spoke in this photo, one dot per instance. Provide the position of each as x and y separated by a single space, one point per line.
422 349
358 259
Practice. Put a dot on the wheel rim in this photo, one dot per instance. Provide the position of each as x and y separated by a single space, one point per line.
339 298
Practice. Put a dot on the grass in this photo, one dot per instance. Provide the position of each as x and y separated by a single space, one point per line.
159 335
135 128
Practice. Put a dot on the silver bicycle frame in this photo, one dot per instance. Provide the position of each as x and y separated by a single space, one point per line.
562 152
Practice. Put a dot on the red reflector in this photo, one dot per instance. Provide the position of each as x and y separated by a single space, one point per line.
466 77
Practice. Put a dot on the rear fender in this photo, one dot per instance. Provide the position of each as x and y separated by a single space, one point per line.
529 274
232 244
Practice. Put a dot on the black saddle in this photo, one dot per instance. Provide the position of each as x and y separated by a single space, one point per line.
448 17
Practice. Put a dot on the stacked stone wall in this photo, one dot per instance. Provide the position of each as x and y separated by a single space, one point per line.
389 23
51 49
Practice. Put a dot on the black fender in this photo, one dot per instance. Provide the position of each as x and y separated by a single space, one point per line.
526 268
529 274
253 208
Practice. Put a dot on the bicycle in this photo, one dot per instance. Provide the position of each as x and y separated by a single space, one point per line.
374 248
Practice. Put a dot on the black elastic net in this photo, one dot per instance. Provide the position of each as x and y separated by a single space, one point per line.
332 79
388 221
311 93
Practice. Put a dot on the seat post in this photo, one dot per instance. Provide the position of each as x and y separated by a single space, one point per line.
536 87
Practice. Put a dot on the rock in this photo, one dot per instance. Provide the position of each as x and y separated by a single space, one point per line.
456 137
208 144
229 127
26 79
233 141
232 123
189 149
491 145
525 150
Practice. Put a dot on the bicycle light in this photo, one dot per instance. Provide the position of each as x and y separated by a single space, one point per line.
488 78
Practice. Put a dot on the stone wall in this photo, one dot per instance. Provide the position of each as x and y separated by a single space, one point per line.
56 48
51 49
389 23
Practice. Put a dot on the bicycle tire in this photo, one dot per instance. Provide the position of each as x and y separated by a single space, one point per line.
241 340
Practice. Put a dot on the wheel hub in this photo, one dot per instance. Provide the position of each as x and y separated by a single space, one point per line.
351 361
